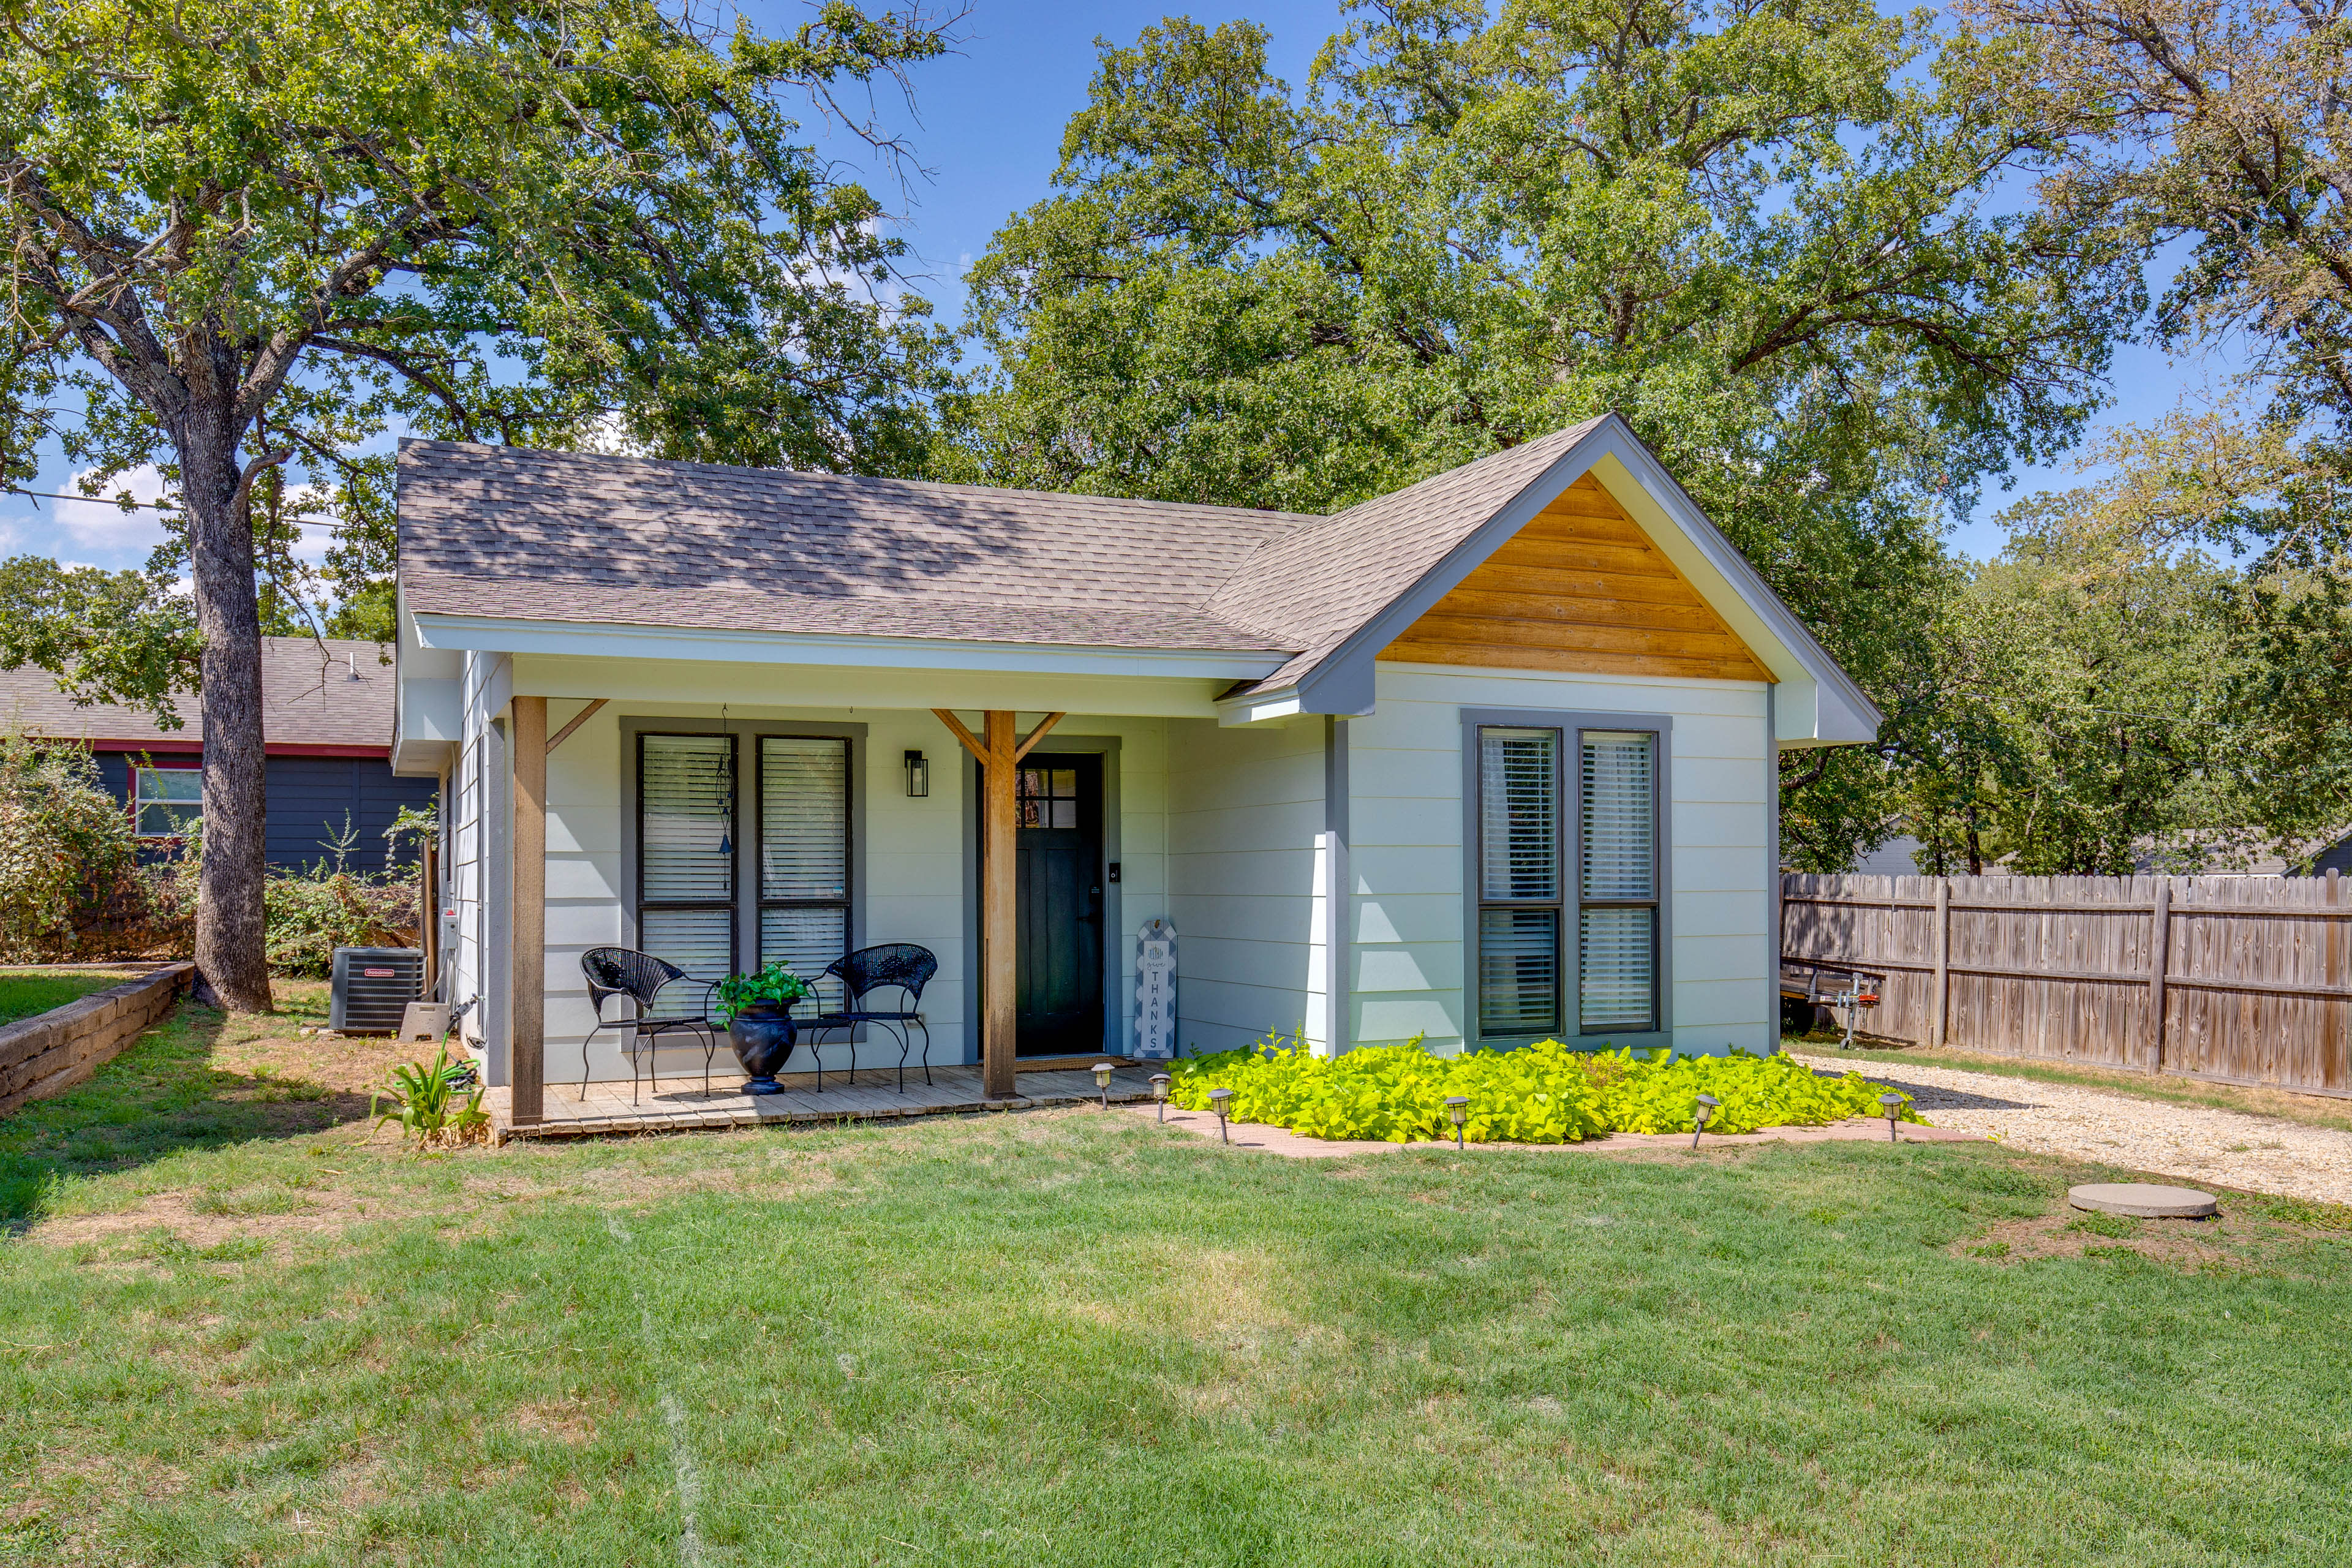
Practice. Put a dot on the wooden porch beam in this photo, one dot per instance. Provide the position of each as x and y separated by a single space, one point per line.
1036 735
971 743
577 720
998 908
526 959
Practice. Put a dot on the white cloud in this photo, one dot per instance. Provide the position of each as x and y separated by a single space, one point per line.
99 528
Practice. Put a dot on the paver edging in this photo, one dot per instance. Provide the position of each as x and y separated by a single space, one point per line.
49 1053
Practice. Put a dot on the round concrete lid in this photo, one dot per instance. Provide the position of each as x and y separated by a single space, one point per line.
2140 1200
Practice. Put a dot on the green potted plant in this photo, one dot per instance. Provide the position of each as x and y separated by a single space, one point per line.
757 1010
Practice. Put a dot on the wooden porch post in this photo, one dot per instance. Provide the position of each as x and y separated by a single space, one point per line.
999 754
526 1049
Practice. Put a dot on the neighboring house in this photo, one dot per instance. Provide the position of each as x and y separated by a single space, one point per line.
1484 761
326 718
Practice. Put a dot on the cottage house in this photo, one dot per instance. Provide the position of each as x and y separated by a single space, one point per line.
1484 761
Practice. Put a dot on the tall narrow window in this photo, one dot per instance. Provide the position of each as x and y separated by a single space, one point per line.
804 855
1617 892
1518 881
686 853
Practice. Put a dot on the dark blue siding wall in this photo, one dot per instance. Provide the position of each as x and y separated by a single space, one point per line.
309 799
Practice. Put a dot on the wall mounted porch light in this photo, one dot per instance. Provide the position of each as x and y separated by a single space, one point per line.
1220 1101
1102 1081
919 776
1890 1106
1458 1106
1699 1114
1159 1083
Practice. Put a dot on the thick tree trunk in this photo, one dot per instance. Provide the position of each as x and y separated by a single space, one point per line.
231 938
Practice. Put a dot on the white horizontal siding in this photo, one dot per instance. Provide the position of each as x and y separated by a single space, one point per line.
1407 866
1244 813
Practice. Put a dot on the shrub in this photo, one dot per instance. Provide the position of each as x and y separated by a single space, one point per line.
1543 1093
65 850
434 1105
313 912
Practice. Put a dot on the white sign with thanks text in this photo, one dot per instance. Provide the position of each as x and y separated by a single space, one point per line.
1155 992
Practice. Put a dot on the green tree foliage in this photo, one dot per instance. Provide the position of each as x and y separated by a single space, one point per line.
1766 233
66 848
246 238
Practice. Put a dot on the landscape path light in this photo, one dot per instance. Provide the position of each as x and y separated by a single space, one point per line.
1220 1100
1159 1083
1458 1106
1699 1114
1102 1080
1891 1107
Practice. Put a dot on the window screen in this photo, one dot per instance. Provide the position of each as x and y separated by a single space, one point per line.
804 855
169 802
1618 880
686 855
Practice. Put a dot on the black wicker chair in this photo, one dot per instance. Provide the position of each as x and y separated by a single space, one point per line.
642 978
894 966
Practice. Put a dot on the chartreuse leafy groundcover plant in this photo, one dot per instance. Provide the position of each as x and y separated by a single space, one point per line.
1543 1093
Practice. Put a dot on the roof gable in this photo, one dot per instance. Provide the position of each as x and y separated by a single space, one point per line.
1579 588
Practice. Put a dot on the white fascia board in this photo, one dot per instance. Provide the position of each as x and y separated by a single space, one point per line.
617 640
653 685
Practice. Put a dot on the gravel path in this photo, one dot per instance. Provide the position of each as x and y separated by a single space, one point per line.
2257 1153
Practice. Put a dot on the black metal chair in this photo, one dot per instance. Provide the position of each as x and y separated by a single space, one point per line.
894 966
641 977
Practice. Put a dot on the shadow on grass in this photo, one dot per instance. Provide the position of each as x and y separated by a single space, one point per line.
162 1096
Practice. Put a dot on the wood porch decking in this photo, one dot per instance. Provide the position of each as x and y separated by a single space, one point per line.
678 1104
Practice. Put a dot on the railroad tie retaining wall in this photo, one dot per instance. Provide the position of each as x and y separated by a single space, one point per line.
49 1054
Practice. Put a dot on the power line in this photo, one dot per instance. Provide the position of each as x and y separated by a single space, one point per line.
97 501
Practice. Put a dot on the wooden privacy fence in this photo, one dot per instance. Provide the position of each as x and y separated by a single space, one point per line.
2235 979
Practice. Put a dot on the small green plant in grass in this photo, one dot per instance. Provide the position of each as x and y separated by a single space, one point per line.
429 1108
1543 1093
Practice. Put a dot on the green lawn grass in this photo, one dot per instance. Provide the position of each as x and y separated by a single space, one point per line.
23 992
2311 1109
238 1332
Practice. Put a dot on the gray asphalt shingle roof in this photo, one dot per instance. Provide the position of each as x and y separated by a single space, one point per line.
504 532
338 697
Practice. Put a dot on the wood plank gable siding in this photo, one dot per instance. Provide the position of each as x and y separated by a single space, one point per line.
1579 588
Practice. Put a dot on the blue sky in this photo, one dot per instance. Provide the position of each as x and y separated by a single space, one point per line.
987 125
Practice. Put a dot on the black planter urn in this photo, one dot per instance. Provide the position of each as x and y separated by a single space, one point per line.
763 1034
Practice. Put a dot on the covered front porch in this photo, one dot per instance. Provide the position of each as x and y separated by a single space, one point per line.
701 816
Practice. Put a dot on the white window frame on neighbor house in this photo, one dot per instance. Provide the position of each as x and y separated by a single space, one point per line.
1564 895
141 800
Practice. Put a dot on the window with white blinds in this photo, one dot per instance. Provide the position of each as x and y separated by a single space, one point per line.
1538 890
804 855
1518 881
1617 930
686 854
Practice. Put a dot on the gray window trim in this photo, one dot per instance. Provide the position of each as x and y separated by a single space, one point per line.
1568 721
748 733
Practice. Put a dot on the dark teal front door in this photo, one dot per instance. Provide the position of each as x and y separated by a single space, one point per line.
1059 967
